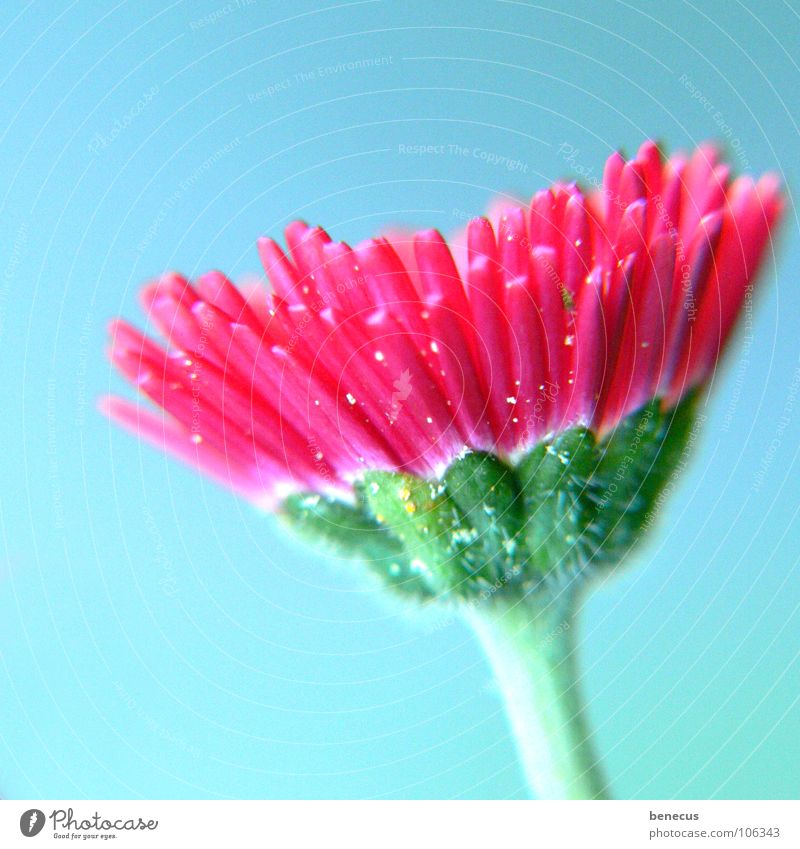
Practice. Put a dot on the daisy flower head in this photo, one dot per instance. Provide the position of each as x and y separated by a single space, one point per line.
501 410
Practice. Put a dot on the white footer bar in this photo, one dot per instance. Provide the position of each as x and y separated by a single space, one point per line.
401 825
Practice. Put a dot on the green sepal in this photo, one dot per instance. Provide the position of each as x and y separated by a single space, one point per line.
638 459
559 494
570 505
421 515
486 495
350 530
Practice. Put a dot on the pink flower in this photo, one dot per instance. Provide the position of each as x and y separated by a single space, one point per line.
576 310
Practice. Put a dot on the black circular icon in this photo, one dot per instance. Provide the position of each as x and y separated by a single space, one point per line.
31 822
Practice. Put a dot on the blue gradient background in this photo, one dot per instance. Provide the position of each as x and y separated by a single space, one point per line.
158 637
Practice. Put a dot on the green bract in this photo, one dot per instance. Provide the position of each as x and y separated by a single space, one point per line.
569 506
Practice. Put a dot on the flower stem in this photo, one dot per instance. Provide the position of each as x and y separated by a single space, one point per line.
531 648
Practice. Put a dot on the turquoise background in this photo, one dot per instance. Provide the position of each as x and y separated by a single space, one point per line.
158 637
